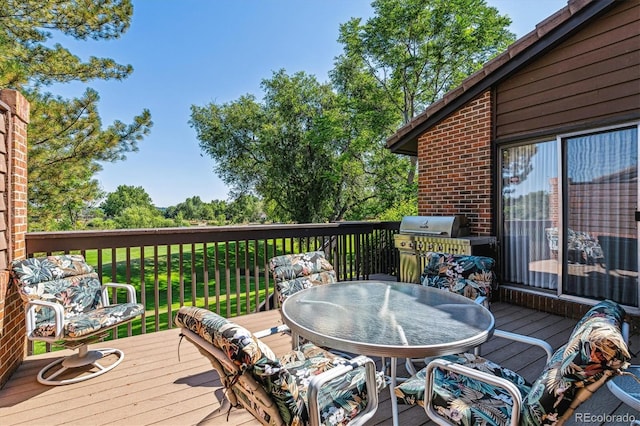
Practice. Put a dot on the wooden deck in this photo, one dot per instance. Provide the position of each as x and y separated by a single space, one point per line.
152 386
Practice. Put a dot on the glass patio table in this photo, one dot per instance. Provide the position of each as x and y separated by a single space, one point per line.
387 319
627 388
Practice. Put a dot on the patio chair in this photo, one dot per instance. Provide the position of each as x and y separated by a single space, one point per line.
66 305
472 277
467 389
294 272
305 386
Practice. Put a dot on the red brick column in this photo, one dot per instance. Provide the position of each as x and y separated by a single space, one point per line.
13 192
455 166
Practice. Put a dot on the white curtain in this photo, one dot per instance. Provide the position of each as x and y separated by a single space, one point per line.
602 195
529 180
598 242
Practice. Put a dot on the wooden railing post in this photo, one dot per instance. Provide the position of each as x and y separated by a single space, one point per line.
221 268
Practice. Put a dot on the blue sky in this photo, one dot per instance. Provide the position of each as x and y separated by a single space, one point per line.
187 52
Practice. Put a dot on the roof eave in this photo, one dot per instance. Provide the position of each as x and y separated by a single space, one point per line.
547 35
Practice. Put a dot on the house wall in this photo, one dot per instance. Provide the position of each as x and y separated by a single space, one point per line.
14 113
455 166
590 79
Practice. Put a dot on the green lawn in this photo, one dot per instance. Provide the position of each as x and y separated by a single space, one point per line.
163 288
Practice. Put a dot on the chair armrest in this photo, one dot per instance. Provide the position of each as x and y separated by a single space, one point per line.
30 317
490 379
625 331
131 292
525 339
316 383
270 331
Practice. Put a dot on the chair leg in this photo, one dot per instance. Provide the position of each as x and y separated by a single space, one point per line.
83 358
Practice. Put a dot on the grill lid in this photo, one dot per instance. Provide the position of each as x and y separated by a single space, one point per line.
444 226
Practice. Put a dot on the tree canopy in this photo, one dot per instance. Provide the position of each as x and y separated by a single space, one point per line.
316 151
289 148
123 197
67 141
417 50
26 26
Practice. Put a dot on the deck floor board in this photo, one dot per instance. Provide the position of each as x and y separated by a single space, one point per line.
153 387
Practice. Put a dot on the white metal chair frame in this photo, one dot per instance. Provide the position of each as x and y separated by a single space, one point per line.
546 347
505 384
259 395
84 357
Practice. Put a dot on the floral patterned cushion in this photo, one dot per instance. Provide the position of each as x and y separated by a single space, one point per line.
471 276
86 323
68 281
294 272
77 294
238 343
36 270
461 399
596 351
286 379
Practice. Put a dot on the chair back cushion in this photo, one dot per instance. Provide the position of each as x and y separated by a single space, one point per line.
471 276
461 399
67 280
248 353
294 272
284 380
339 400
596 351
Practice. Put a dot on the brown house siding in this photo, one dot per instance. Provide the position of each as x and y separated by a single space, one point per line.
592 77
13 193
455 167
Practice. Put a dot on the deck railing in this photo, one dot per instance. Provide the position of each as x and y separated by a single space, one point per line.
224 269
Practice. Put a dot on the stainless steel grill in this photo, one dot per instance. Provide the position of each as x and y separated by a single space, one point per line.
446 234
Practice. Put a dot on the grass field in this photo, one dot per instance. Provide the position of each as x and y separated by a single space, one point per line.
228 278
164 286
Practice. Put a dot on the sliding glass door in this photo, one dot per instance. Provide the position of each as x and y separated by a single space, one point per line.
568 215
601 240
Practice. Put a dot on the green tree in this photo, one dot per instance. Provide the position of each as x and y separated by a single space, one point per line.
244 209
409 54
417 50
27 25
126 196
287 149
140 216
315 152
66 145
66 139
195 209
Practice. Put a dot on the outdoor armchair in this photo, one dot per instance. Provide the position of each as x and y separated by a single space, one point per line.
467 389
294 272
473 277
306 386
66 305
468 275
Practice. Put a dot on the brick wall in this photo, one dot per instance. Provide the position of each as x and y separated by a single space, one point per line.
13 211
455 166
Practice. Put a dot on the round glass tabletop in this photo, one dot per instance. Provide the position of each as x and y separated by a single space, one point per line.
387 319
627 388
